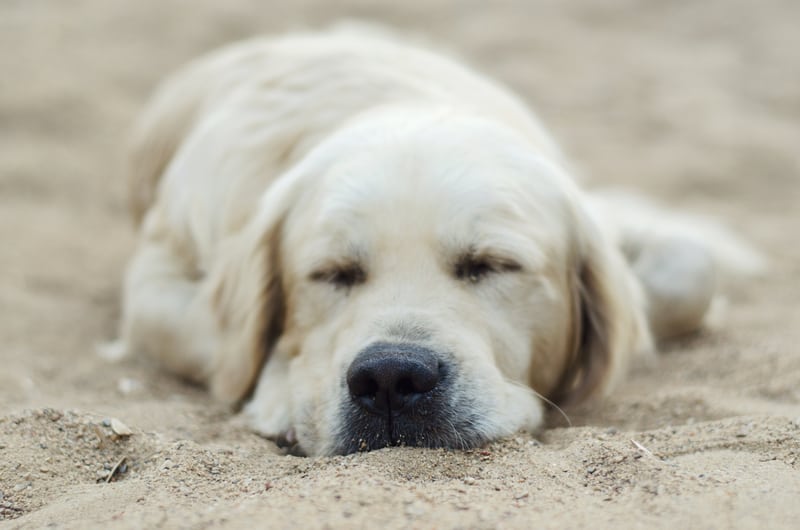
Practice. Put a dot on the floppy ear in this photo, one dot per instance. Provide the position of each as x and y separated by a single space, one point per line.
246 297
247 301
609 323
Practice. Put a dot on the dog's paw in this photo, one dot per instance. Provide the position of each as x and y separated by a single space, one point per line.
679 278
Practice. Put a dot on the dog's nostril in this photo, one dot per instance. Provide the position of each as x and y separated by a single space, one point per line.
384 381
405 387
361 385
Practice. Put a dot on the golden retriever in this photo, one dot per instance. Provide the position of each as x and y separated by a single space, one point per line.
373 245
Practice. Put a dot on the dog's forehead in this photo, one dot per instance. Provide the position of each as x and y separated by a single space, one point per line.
437 183
460 186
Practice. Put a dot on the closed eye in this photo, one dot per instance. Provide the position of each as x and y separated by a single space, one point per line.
340 275
474 268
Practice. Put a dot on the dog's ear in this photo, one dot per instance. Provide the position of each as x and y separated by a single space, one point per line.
247 301
245 291
609 323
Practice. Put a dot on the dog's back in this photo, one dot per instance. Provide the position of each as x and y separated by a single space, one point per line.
296 90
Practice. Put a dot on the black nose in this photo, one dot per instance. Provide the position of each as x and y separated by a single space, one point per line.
389 379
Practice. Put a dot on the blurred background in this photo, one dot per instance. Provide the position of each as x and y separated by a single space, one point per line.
679 90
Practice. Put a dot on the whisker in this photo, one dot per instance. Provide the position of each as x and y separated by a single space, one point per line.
458 436
552 404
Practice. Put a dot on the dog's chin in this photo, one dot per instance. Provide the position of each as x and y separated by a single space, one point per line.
459 414
364 432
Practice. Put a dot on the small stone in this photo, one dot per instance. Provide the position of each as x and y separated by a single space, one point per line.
119 428
106 422
469 481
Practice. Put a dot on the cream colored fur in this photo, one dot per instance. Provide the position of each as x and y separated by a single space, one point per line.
261 165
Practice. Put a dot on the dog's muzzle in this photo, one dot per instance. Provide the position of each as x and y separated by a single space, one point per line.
402 394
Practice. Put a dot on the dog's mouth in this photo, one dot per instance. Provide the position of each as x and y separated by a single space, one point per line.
405 395
400 395
443 428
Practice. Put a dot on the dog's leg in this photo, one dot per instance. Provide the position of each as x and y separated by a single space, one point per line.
166 314
679 259
679 280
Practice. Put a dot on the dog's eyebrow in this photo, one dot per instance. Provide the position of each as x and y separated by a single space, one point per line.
331 255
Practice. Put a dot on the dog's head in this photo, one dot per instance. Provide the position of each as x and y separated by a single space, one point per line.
420 280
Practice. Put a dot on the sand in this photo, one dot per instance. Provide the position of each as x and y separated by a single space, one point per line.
694 103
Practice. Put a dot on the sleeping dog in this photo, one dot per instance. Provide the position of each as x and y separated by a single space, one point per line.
371 245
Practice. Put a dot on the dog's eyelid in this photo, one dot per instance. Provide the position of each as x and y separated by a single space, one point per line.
504 264
339 274
474 267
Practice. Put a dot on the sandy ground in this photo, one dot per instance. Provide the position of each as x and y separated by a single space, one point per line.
697 103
